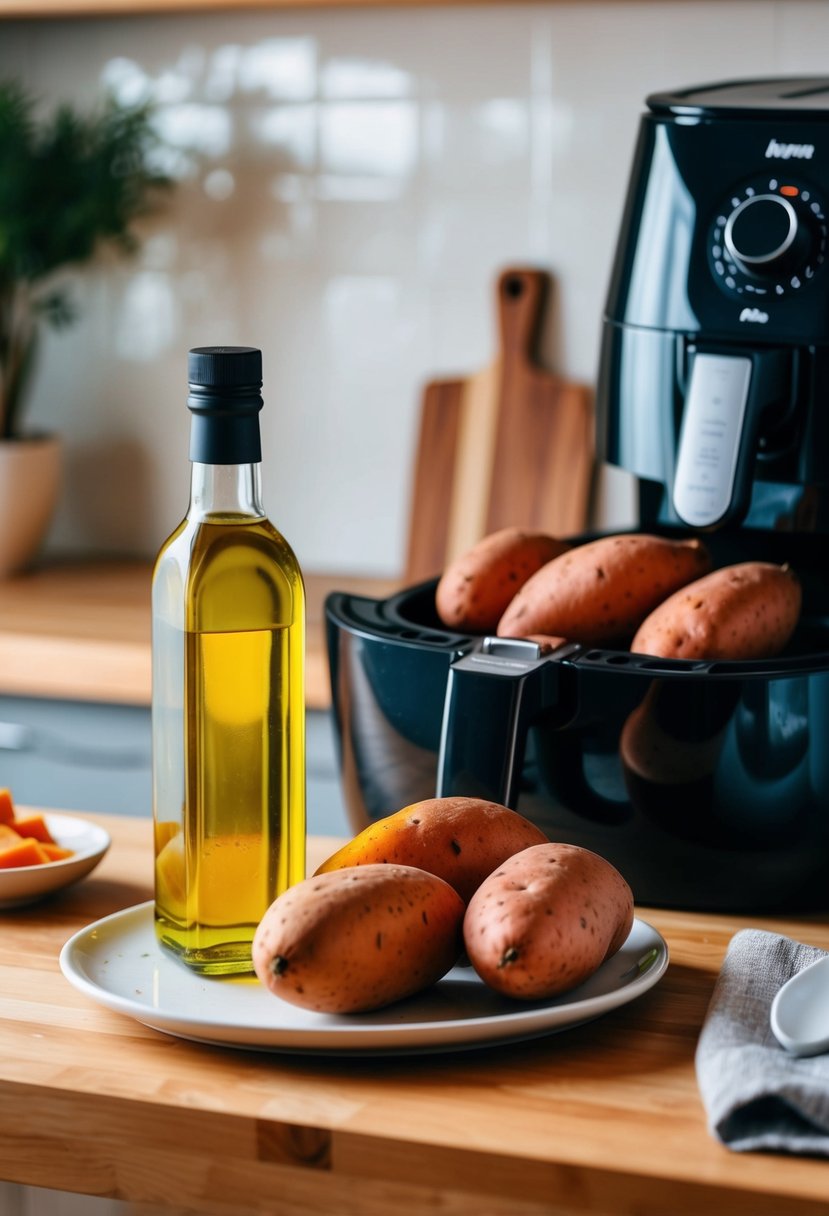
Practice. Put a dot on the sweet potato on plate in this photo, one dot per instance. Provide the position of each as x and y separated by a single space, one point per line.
354 940
461 840
546 919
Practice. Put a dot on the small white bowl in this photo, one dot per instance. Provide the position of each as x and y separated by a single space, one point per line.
26 884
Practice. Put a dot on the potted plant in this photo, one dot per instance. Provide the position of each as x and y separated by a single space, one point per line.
70 183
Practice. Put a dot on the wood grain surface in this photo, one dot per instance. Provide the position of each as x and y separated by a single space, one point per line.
603 1118
81 631
512 444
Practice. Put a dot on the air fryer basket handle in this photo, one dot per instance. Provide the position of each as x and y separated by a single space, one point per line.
492 694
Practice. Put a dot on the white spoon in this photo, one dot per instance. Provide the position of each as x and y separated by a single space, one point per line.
800 1011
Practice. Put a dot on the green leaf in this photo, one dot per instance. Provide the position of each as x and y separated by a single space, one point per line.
70 184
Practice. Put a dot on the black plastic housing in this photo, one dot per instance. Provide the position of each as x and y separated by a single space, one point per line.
699 152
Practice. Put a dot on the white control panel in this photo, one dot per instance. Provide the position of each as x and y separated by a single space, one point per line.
709 441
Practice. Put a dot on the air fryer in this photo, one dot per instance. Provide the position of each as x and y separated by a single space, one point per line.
706 783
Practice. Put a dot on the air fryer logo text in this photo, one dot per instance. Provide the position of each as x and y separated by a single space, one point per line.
778 151
755 315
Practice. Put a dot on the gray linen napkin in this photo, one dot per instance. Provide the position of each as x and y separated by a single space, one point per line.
756 1095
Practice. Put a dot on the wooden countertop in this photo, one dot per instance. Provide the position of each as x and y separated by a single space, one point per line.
603 1118
81 631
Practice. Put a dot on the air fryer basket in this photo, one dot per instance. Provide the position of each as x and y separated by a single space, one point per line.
707 784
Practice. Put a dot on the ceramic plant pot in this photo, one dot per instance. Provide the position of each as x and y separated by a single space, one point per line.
30 469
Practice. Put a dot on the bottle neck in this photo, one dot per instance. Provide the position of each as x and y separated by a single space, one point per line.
227 490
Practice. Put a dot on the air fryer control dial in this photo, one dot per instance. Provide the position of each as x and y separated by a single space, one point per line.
769 239
761 233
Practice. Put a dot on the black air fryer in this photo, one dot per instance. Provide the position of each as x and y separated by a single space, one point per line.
706 783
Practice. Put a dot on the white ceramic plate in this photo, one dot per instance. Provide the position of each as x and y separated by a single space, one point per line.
118 963
26 884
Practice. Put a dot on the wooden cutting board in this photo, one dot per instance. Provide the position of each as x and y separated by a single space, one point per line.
511 445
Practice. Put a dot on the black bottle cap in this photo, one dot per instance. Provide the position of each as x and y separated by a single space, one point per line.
225 366
225 400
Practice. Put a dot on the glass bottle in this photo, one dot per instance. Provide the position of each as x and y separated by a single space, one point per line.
228 702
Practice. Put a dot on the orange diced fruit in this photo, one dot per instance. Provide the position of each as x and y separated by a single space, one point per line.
8 837
28 842
6 807
56 852
34 826
27 853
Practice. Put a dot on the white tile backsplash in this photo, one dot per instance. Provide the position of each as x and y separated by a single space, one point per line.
351 182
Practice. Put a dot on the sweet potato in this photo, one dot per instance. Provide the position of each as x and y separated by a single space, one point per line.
358 939
745 611
601 592
461 840
546 920
545 643
476 588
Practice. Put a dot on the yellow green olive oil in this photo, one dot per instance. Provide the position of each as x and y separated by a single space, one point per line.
228 711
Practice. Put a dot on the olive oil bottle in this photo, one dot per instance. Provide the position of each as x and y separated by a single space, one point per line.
228 705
